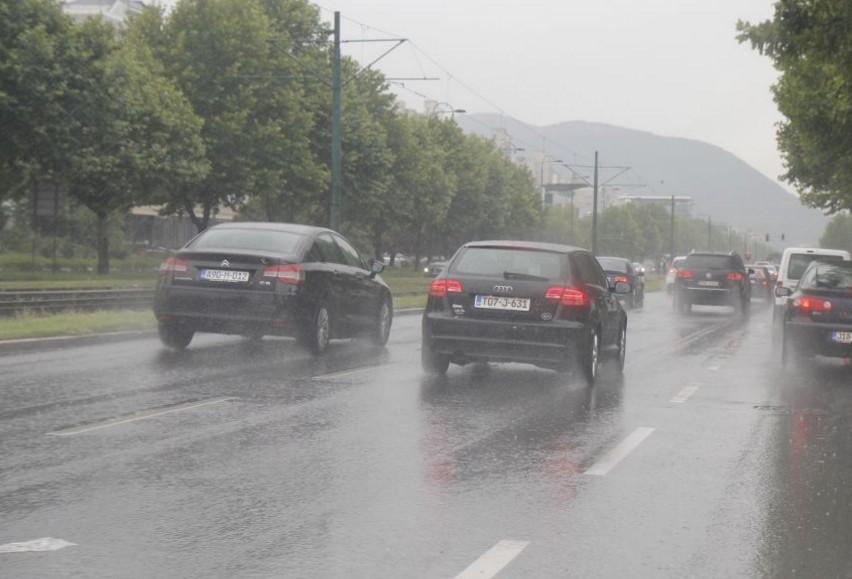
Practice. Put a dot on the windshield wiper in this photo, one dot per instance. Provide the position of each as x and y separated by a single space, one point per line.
516 275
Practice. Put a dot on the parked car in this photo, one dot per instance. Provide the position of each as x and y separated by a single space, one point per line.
761 283
620 270
515 301
712 279
817 315
794 262
260 279
671 275
434 268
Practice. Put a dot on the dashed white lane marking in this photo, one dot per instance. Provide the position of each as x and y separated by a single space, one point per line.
345 373
713 368
684 394
620 452
43 544
493 560
118 421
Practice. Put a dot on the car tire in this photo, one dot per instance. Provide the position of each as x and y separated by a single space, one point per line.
175 336
621 345
590 357
384 319
433 363
316 334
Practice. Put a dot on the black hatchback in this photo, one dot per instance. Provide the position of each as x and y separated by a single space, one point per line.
258 279
620 270
712 279
511 301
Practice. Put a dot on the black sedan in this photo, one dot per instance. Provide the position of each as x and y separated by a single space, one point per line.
258 279
511 301
620 270
818 313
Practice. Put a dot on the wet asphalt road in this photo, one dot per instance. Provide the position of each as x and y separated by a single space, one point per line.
241 459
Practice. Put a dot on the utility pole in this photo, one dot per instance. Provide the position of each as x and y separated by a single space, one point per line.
672 246
595 210
572 217
709 233
336 89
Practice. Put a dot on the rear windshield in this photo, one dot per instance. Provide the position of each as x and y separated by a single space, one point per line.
799 262
678 261
829 276
503 262
710 262
266 240
613 264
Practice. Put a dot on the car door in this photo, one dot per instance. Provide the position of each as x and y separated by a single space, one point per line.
361 290
334 286
598 288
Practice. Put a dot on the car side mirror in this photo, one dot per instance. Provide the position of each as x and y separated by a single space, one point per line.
783 292
376 267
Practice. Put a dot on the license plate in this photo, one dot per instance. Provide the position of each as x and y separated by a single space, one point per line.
502 303
708 283
224 275
842 337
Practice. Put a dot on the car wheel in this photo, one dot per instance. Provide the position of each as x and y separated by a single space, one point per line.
591 357
317 332
622 347
175 336
384 319
433 362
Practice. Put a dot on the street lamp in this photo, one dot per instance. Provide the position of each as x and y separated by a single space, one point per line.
448 109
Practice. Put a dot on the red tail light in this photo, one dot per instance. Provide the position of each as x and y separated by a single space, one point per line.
441 287
807 305
735 276
568 296
684 274
291 273
620 279
173 265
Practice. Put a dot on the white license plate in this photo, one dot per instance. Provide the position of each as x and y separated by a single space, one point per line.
842 337
708 283
502 303
224 275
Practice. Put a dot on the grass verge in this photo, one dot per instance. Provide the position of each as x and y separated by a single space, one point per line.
36 325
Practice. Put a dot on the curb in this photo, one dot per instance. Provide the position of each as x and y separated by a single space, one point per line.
28 344
408 312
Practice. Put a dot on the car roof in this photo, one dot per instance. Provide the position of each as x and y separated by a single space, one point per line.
512 244
815 250
265 225
613 257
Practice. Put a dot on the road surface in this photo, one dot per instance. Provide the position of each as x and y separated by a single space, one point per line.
243 459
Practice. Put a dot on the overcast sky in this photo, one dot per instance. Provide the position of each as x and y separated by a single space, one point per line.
672 67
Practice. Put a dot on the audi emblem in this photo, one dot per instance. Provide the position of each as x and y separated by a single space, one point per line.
503 289
226 263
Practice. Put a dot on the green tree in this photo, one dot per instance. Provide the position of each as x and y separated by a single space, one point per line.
810 45
838 233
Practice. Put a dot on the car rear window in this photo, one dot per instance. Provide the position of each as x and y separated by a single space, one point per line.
799 262
497 261
710 262
266 240
829 276
613 264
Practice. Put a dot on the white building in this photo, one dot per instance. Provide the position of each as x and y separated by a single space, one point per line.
115 11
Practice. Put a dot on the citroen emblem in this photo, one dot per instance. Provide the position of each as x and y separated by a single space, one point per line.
226 263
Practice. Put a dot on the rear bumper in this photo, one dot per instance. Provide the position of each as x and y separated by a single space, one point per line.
816 339
552 344
708 296
227 310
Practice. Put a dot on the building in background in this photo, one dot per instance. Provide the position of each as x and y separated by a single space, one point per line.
683 204
115 11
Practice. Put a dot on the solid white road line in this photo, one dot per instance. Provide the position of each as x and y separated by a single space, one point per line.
118 421
713 368
493 560
620 452
43 544
345 373
684 394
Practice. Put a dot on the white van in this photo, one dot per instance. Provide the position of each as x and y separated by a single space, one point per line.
793 264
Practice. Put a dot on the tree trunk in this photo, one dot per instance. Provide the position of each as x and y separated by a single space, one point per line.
103 242
417 243
377 242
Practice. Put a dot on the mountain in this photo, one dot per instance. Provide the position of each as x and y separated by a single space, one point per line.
721 185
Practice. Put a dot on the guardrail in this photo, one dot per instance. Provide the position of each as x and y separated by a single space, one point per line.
55 300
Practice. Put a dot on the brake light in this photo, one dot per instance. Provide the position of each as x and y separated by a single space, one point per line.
684 274
441 287
735 276
568 296
620 279
291 273
173 265
807 305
